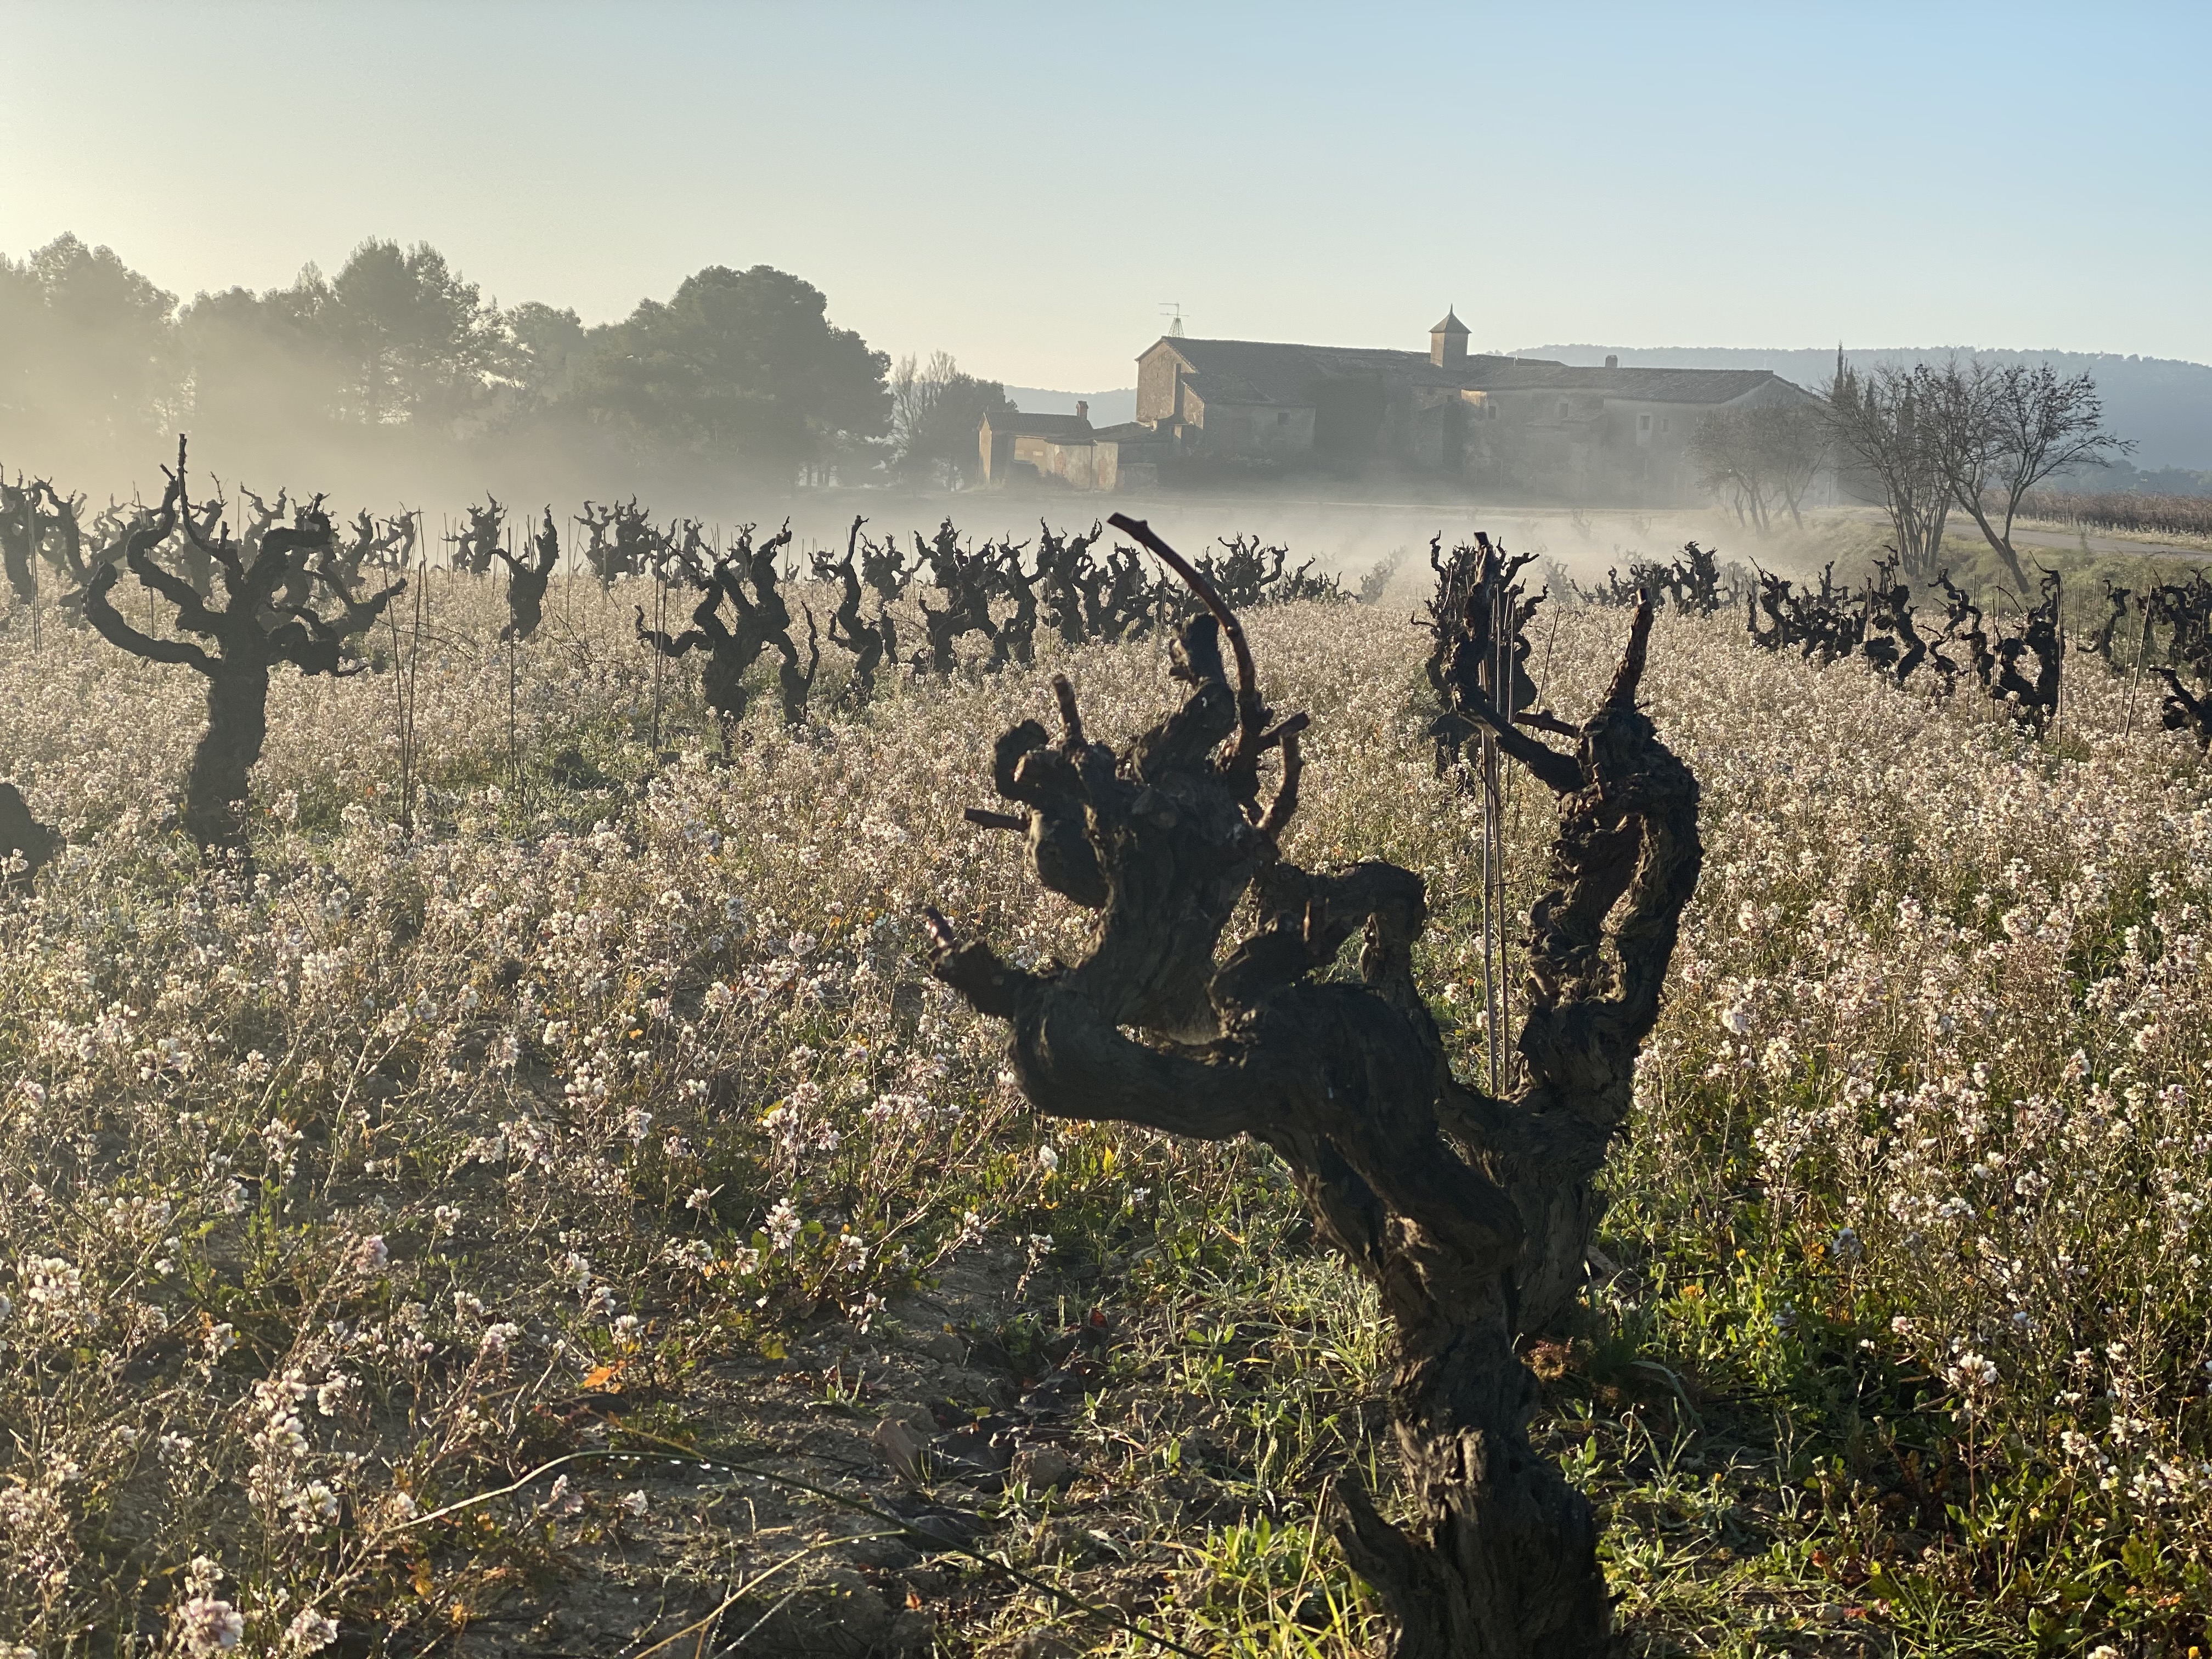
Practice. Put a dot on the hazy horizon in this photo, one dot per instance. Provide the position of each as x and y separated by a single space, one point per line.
1727 176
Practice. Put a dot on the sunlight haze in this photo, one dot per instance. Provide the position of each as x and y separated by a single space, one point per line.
1024 187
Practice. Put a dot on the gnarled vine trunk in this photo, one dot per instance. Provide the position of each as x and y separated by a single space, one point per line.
1471 1214
256 629
237 728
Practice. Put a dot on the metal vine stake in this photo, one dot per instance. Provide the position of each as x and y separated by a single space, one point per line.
2135 674
513 670
1493 812
1479 618
31 515
406 666
660 661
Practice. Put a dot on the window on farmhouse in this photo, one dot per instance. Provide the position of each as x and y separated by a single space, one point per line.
1563 409
1643 423
1282 419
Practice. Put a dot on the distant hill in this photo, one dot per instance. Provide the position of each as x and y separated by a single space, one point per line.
1106 408
2164 405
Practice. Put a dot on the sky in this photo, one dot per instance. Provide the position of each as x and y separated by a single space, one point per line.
1027 185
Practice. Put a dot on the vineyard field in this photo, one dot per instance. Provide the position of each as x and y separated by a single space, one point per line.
574 1219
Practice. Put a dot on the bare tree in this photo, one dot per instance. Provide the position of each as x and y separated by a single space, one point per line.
1471 1214
916 390
1725 451
193 562
1727 463
965 576
1792 444
253 633
936 408
475 547
2038 426
1998 432
1061 564
1887 438
61 543
1763 460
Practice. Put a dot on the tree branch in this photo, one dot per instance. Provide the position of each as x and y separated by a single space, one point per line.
100 610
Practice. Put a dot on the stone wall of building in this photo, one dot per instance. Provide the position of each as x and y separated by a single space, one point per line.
1260 432
1492 422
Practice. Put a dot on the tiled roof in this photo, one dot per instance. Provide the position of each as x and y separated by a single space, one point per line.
1065 427
1128 431
1658 385
1272 373
1266 372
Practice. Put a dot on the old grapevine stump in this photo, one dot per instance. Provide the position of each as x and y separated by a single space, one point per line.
256 628
1471 1214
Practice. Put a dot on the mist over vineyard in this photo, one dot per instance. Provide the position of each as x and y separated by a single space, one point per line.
693 963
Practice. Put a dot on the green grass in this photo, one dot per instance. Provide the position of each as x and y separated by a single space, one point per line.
617 1016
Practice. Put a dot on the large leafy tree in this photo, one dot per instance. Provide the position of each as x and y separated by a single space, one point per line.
396 337
82 339
547 344
739 366
418 342
257 373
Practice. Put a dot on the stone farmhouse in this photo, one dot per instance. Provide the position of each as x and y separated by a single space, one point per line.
1221 408
1068 448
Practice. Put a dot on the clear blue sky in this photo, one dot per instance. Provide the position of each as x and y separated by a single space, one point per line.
1022 184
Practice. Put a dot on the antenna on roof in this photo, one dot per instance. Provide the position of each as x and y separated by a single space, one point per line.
1172 310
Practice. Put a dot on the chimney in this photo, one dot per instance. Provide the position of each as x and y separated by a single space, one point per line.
1611 361
1082 409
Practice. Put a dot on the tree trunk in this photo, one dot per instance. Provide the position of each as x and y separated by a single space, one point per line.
238 724
2000 542
1503 1560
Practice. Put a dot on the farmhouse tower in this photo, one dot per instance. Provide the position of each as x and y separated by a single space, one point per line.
1448 343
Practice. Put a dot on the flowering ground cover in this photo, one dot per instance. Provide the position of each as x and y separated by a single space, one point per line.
578 1224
